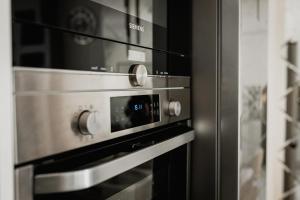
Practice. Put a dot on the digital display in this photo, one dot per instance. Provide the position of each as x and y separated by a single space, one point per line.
132 111
138 107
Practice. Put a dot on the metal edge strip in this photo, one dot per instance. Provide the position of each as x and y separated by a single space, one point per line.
83 179
58 92
78 72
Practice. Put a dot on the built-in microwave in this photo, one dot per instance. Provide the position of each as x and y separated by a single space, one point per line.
103 35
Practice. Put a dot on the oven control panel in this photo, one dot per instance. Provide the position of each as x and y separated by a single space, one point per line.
127 112
69 110
132 111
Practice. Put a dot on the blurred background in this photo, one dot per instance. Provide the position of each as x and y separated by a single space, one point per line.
269 99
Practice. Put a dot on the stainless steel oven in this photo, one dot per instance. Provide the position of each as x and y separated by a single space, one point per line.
93 135
102 101
149 167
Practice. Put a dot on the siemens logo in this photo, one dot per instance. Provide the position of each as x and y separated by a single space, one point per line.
136 27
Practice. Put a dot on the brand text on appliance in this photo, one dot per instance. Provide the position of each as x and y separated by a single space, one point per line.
136 27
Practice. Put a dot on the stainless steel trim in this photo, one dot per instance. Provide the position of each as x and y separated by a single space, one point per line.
32 69
37 93
83 179
43 80
228 122
24 183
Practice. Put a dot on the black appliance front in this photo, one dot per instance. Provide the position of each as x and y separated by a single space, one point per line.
102 35
40 47
140 22
147 23
142 168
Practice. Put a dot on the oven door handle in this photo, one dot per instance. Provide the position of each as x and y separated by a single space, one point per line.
86 178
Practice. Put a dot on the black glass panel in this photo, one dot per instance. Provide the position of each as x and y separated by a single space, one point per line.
158 24
50 48
132 22
132 111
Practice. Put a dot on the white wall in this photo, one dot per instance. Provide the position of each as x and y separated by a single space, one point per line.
277 87
254 42
6 112
262 37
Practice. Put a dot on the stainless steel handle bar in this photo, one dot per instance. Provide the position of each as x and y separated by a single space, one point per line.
86 178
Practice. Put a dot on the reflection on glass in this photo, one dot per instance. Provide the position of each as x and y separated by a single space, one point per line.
139 22
142 9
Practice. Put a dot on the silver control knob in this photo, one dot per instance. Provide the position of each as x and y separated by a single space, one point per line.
89 122
138 75
174 108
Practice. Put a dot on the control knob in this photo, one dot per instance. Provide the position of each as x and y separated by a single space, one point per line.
89 122
138 75
174 108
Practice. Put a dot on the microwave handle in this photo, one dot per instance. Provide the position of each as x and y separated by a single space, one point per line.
86 178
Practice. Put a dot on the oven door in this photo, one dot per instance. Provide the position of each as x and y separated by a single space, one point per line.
138 170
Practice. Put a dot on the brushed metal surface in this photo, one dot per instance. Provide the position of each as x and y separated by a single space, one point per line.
86 178
48 105
46 124
24 183
32 80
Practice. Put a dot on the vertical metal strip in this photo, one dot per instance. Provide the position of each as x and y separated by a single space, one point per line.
205 85
218 95
228 127
24 183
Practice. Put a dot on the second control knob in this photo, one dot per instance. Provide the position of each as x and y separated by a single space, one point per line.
89 122
174 108
138 75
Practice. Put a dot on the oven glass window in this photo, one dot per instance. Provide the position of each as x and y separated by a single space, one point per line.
153 11
101 35
138 22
